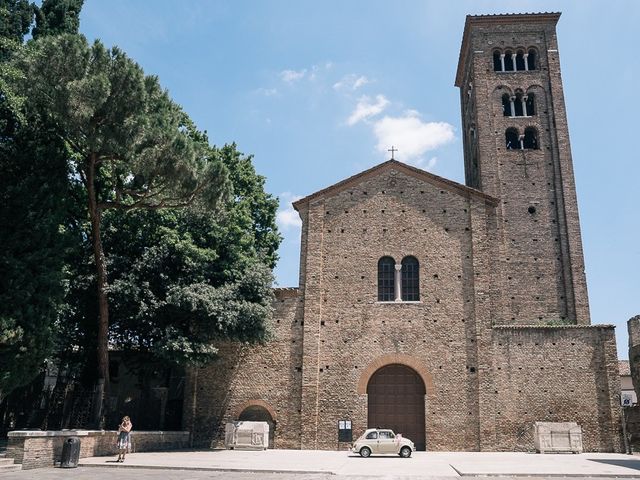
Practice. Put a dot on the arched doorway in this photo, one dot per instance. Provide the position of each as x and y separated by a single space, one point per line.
257 413
396 400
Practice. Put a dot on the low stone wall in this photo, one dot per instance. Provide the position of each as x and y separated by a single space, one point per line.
36 448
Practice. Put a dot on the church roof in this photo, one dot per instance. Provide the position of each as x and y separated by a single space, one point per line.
404 168
510 18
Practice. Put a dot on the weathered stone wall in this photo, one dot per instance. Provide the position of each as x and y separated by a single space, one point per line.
633 327
493 276
540 253
393 213
555 374
37 449
266 375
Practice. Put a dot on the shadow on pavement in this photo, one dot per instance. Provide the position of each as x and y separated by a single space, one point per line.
634 464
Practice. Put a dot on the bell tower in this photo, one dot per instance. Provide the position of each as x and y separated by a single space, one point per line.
516 148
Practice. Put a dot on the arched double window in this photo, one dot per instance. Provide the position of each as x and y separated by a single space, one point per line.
515 141
518 105
398 282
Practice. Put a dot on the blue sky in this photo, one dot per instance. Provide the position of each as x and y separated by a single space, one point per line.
317 91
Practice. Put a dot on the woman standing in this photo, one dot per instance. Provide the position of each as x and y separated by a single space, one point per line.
124 438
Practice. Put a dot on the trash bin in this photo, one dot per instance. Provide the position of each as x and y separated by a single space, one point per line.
70 453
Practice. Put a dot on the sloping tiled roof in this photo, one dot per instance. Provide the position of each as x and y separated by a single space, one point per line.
407 169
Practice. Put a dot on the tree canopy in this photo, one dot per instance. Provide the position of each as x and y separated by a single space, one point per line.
131 209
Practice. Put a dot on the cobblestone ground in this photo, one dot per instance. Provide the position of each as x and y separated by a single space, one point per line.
97 473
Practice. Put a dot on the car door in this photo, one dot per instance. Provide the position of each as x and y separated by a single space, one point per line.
372 441
387 442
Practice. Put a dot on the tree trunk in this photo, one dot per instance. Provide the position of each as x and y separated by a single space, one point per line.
103 306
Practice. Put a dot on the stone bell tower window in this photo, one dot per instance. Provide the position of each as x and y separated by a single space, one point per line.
512 139
530 140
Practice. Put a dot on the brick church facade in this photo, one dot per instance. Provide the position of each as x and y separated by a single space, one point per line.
455 314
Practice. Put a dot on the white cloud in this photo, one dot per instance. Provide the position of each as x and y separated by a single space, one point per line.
287 217
350 82
366 109
412 136
291 76
267 92
425 164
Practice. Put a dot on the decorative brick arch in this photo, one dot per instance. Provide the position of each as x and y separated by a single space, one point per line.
394 358
255 403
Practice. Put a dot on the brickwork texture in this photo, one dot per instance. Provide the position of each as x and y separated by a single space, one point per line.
500 335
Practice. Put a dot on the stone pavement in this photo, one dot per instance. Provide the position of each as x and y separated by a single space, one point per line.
331 465
421 464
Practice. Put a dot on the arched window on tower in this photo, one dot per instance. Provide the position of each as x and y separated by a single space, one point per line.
410 279
520 60
497 63
386 279
518 106
508 61
531 59
529 101
530 140
512 139
506 105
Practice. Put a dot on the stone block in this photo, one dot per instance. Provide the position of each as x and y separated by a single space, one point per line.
558 437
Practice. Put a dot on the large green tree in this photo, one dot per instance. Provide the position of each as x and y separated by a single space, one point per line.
183 279
130 145
35 204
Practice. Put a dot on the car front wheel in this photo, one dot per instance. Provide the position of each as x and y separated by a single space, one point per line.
365 452
405 452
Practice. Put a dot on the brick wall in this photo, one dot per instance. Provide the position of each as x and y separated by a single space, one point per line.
493 277
37 449
266 375
541 261
556 374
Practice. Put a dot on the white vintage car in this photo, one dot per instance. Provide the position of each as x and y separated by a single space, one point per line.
381 441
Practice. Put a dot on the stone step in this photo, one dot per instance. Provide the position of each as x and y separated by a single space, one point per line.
10 468
6 461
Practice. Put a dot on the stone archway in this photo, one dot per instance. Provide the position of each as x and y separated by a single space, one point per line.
256 412
396 396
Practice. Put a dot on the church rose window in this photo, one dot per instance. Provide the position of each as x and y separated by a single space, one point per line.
410 279
386 281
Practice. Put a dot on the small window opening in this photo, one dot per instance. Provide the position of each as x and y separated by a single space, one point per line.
518 105
511 139
530 140
386 283
530 104
509 61
520 65
531 59
410 279
506 105
497 63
